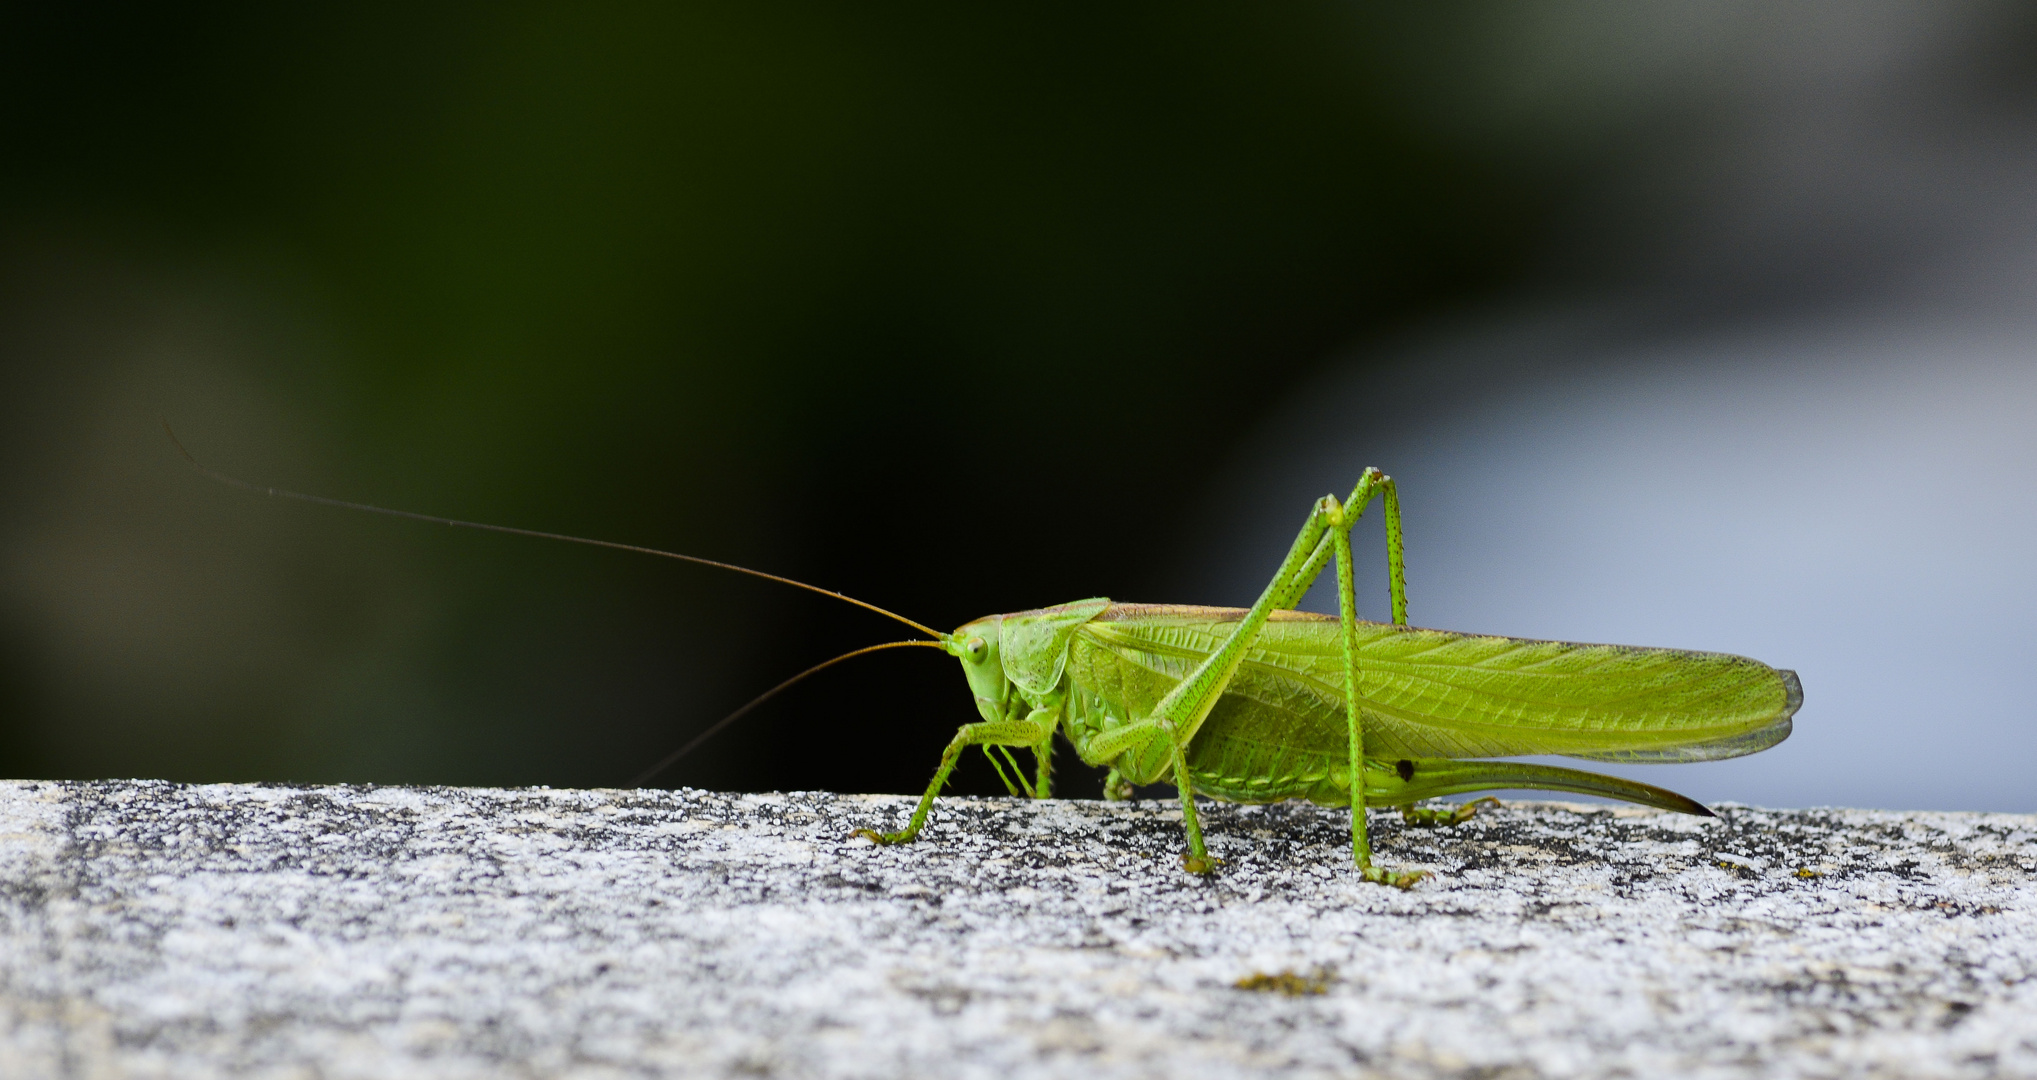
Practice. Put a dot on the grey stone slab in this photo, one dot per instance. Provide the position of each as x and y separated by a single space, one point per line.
151 929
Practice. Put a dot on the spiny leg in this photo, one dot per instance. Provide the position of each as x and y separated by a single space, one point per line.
1396 551
1041 786
1025 732
1043 755
1181 713
1445 815
1347 619
1015 780
1198 860
1141 733
1371 483
1334 541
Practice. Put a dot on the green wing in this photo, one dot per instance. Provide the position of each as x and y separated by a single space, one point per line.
1436 694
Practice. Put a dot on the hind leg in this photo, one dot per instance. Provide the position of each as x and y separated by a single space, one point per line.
1429 817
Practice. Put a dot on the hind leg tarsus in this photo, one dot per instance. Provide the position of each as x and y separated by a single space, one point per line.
1403 880
1428 817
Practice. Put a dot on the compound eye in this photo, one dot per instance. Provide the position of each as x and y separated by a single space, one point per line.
977 649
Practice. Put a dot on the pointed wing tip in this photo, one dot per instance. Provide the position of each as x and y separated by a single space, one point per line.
1698 809
1793 692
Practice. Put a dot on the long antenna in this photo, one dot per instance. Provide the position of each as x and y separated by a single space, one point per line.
672 758
321 500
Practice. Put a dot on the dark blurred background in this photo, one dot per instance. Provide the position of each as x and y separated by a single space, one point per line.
957 311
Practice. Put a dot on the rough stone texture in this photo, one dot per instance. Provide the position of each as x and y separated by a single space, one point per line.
151 929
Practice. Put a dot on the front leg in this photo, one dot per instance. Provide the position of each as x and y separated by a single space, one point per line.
1041 786
1043 757
1030 732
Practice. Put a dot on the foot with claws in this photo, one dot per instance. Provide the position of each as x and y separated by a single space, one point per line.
1456 815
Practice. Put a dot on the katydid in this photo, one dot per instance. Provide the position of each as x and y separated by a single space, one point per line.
1269 703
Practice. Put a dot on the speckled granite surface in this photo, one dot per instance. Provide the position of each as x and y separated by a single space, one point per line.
151 929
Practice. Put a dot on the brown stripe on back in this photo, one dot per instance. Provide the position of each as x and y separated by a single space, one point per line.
1129 612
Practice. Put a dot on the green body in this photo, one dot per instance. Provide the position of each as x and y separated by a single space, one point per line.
1266 703
1278 730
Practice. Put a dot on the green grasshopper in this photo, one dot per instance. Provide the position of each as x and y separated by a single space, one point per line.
1269 703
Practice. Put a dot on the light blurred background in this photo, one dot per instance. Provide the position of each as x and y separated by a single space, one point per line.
1705 325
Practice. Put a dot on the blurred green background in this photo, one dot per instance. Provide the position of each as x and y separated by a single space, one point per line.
952 309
